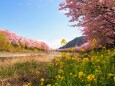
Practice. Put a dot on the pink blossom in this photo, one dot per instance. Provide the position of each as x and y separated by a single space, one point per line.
101 1
86 46
18 40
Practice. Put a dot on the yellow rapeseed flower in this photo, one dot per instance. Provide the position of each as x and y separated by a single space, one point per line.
50 64
61 64
88 85
38 72
63 54
97 71
114 78
91 77
93 43
109 75
28 84
48 85
42 79
56 84
108 51
57 60
42 83
25 85
70 74
81 74
82 50
60 71
70 49
62 77
94 40
98 67
73 59
63 42
85 60
67 58
58 77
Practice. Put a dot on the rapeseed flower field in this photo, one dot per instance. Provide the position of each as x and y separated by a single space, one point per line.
95 68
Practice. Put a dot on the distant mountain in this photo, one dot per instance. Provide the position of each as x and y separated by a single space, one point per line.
75 42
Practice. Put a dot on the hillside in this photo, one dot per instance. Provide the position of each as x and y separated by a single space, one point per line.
75 42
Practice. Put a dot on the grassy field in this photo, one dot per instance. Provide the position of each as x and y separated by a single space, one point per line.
95 68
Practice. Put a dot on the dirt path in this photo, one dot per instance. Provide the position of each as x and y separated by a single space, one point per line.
8 55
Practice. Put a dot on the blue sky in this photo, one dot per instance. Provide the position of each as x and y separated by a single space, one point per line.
37 19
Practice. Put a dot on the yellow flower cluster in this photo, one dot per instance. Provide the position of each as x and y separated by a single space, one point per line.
114 78
41 81
58 77
71 74
48 85
56 84
82 50
85 60
109 75
28 84
50 64
93 43
97 71
91 77
60 71
37 72
61 64
57 61
81 74
78 69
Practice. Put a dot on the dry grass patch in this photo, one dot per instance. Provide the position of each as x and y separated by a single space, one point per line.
13 60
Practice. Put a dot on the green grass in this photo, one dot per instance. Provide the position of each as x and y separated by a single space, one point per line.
95 68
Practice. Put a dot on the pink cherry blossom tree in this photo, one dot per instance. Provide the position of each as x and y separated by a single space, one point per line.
16 40
97 17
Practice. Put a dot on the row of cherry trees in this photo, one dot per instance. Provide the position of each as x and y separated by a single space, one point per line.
97 17
16 40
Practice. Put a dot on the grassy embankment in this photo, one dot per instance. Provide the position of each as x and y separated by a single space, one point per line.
6 46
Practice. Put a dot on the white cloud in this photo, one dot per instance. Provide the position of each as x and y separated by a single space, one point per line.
55 44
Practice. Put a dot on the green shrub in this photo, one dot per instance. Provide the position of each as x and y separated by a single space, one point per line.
4 43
